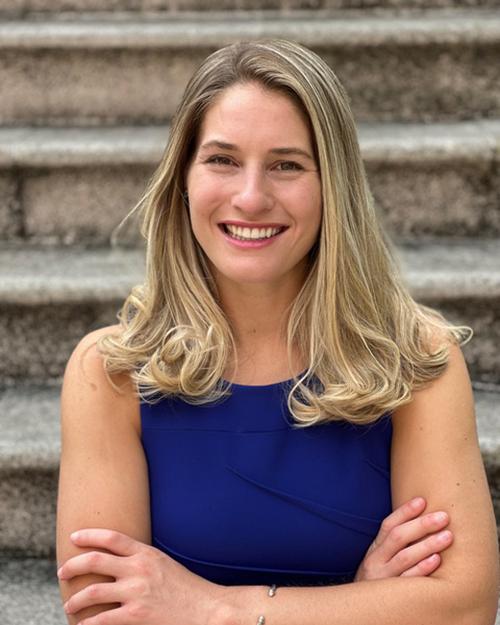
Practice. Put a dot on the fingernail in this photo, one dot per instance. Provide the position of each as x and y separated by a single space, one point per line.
75 535
444 536
59 571
417 502
440 516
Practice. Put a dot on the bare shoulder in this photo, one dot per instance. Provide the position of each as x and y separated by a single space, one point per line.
440 415
435 454
452 389
103 478
85 379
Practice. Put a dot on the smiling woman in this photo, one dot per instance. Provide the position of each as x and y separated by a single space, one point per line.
273 408
242 192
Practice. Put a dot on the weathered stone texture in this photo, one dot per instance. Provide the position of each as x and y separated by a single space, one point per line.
74 205
18 8
36 342
453 200
29 528
10 207
130 86
481 352
45 87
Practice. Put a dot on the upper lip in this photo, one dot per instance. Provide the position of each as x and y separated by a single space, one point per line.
245 224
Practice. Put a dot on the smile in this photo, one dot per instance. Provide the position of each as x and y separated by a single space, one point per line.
251 234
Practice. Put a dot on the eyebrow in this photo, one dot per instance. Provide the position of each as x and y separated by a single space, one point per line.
229 146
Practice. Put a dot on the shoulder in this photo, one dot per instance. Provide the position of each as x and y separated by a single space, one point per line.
435 434
436 455
86 383
453 386
442 409
86 351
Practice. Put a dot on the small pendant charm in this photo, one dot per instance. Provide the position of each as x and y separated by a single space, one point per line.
261 620
272 590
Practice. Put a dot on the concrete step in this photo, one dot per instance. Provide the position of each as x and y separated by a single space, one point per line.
29 592
437 64
29 462
28 588
74 185
15 9
50 298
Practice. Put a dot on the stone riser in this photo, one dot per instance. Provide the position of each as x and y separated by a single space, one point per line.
30 452
67 206
29 502
19 8
37 341
422 80
64 187
29 592
28 588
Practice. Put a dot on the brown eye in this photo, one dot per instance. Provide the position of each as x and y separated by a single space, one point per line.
291 166
219 160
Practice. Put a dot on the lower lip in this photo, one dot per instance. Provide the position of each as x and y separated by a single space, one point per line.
251 244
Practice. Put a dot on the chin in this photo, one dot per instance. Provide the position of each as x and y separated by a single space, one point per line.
250 276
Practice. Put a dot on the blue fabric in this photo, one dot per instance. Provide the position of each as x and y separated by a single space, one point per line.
238 496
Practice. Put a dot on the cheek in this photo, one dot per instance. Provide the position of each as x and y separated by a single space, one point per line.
202 227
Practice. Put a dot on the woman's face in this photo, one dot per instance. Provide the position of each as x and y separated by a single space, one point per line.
254 188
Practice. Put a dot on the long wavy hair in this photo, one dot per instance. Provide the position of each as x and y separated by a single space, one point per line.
367 342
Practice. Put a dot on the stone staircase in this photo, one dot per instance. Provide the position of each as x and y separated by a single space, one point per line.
88 88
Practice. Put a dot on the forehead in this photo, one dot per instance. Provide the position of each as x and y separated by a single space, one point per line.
256 111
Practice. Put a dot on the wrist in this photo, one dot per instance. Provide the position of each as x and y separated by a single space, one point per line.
239 605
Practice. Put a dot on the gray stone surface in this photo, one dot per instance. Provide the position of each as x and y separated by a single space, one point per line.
29 461
28 589
65 206
29 593
312 27
448 270
36 277
20 8
68 185
51 298
437 65
10 205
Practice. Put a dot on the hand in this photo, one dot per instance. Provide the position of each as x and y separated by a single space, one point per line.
404 547
152 587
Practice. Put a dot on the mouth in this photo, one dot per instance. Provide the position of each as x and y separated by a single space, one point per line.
246 233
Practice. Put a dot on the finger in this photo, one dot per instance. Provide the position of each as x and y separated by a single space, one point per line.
403 513
118 616
95 594
114 541
425 567
92 562
411 556
410 532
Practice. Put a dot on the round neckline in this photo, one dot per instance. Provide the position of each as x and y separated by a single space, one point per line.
262 386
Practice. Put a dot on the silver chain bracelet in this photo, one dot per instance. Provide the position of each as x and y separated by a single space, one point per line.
271 592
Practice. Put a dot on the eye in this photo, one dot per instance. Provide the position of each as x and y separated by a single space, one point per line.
218 160
290 166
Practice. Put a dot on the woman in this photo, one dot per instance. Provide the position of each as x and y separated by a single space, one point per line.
304 423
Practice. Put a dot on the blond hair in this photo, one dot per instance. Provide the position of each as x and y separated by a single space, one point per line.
367 342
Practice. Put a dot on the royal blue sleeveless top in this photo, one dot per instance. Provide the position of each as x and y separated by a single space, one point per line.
240 497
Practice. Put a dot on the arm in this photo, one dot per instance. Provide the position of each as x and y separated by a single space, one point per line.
436 455
103 474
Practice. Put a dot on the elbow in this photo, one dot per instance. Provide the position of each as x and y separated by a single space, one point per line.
475 605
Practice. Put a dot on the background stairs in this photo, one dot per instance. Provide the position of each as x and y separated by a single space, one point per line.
88 90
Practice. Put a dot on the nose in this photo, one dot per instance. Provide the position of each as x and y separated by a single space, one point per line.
253 193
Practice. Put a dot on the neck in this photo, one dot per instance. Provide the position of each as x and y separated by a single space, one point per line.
258 315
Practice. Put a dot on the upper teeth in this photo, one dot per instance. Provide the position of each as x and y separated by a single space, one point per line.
252 233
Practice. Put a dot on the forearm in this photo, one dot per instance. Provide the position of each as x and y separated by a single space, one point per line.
393 601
